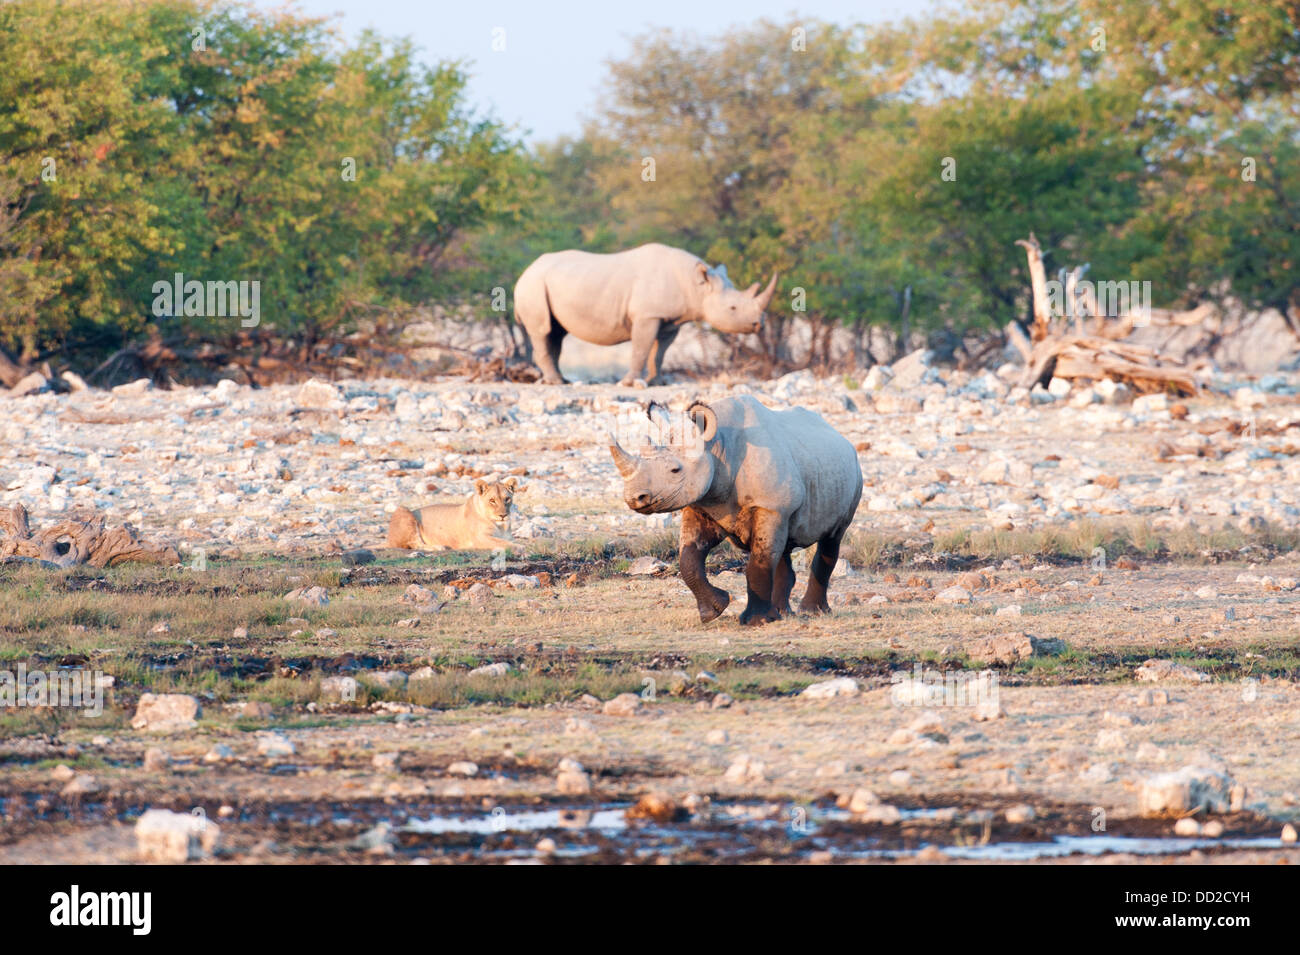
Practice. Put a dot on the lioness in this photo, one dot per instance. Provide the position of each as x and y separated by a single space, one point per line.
467 526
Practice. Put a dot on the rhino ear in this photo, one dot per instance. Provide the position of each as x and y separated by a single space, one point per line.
702 273
705 418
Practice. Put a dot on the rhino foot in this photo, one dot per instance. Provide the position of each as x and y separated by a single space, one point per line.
757 616
711 610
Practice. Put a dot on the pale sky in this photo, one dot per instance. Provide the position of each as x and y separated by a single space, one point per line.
548 78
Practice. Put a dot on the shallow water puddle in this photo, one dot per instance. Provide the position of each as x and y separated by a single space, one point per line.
1098 845
500 820
730 828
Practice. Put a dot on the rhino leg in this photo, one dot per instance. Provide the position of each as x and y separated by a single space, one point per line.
782 584
655 360
645 335
546 353
766 548
828 553
700 534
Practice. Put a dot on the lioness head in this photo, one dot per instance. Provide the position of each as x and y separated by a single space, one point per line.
493 501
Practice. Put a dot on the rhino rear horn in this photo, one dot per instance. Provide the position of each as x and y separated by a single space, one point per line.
766 295
626 463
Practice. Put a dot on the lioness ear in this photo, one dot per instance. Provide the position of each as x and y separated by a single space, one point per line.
480 487
511 482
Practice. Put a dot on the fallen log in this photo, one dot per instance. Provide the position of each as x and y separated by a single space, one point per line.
1080 356
80 539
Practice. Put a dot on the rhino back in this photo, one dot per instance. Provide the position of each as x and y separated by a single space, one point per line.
789 461
598 296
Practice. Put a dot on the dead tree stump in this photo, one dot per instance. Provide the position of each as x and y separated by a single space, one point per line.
80 539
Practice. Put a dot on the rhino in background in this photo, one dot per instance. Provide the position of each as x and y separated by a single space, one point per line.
768 481
643 295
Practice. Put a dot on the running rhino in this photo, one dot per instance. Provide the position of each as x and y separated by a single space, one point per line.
768 481
643 295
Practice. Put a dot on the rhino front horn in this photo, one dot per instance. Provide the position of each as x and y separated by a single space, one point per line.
626 463
766 295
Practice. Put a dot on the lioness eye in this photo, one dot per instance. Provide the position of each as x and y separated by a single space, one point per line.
678 469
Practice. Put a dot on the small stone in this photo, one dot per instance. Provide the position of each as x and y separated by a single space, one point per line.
900 778
311 596
156 760
571 778
1157 670
1010 610
378 841
175 837
828 689
717 737
82 784
219 753
745 769
644 566
1020 814
479 595
166 712
862 800
1289 834
1009 648
883 813
386 762
1212 829
1190 789
1187 826
625 704
491 669
274 745
545 846
953 595
655 807
462 767
1153 698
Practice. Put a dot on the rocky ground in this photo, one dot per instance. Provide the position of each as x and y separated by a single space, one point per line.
1119 573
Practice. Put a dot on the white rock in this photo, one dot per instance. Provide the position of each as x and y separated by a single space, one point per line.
166 712
175 837
841 686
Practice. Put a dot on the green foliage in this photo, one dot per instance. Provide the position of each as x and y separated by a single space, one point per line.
1157 143
1114 131
222 155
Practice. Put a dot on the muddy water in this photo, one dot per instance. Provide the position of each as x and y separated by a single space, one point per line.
744 830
